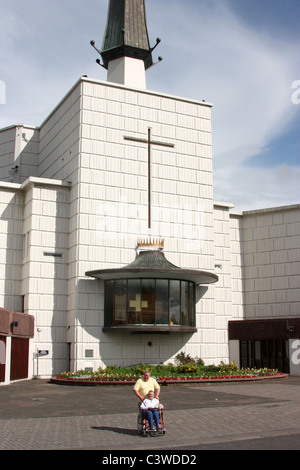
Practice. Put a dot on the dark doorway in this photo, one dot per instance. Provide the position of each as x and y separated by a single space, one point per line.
19 358
266 353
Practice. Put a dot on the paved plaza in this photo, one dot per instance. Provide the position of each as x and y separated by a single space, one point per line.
39 415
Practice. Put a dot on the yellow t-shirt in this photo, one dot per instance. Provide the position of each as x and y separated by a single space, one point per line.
144 387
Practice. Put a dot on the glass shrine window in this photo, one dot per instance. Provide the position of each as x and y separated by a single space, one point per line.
160 302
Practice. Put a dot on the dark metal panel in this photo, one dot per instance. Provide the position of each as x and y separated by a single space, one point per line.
280 328
113 36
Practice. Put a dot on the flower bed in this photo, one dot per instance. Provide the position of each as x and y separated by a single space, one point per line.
167 374
163 380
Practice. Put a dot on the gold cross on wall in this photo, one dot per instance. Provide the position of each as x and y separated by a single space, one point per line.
138 303
150 143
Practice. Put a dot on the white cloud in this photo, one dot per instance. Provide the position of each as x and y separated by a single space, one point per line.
248 76
245 74
258 188
209 53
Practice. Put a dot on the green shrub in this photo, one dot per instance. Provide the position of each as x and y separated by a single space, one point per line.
211 368
112 370
227 368
162 370
188 369
183 358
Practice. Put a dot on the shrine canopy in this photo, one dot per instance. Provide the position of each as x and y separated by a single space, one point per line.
153 264
151 294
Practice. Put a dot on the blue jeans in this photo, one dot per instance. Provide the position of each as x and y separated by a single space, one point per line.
150 415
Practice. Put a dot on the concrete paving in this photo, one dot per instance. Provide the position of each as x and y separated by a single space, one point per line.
39 415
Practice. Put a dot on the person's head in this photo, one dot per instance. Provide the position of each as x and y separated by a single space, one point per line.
146 375
151 395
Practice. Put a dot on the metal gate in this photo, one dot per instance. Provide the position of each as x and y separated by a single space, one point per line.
2 358
19 358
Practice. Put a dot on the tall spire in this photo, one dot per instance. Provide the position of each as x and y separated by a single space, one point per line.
126 51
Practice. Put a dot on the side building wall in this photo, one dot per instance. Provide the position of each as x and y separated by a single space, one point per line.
11 246
45 272
19 153
271 250
269 334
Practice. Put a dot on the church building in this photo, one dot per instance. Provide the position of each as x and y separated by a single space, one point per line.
113 249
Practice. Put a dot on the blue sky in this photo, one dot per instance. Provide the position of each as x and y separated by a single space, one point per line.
241 55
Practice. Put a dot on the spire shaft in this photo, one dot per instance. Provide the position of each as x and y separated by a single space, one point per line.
126 33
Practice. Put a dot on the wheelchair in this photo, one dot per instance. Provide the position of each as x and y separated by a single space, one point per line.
143 425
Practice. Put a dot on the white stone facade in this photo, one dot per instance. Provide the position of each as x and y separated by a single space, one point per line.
78 202
272 262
